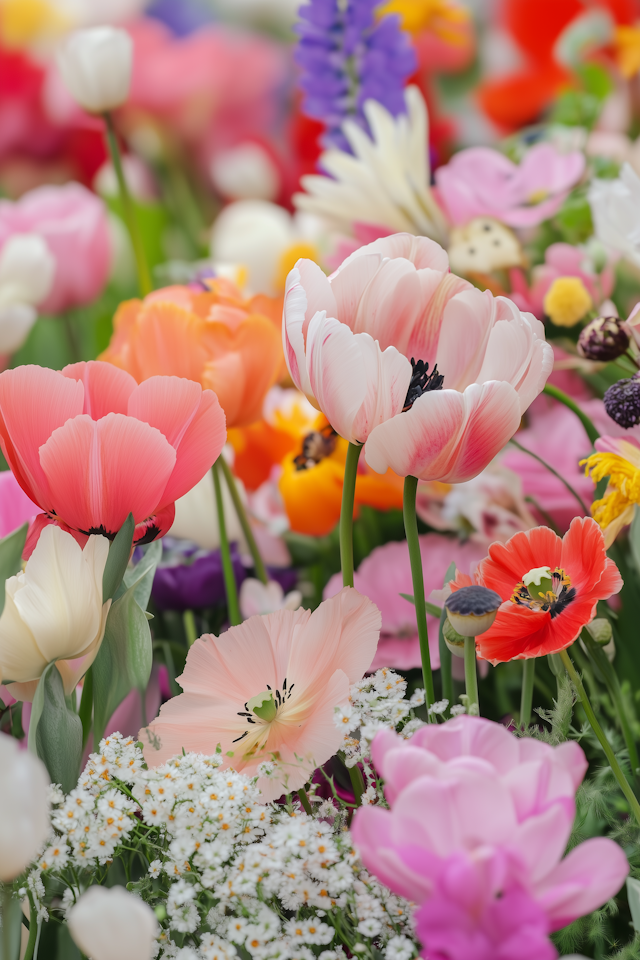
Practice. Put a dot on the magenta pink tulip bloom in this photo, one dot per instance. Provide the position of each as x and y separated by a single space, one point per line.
73 221
89 445
481 182
350 340
486 864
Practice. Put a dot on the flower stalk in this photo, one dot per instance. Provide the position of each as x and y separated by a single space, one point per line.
526 697
415 557
346 513
471 676
258 563
227 565
563 398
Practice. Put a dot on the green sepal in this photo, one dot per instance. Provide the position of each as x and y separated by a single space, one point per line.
118 559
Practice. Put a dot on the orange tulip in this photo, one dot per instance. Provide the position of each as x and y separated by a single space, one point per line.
227 344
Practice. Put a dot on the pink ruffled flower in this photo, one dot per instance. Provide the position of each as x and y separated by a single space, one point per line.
486 864
561 260
386 573
481 182
349 340
15 506
73 222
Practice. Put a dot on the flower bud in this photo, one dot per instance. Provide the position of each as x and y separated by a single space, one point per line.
622 402
600 630
96 67
113 924
453 640
603 339
472 610
24 808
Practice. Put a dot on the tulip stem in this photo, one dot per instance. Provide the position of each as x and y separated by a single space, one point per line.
413 543
34 929
304 800
190 629
231 589
258 563
599 732
86 706
471 676
346 513
526 698
562 397
128 210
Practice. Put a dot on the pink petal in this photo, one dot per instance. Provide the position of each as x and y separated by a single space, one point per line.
106 388
15 506
307 292
467 322
372 837
100 471
348 286
422 252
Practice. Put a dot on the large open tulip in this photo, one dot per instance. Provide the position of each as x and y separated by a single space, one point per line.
54 611
24 808
350 340
89 445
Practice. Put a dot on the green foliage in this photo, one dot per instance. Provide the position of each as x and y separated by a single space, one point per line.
559 717
118 559
55 730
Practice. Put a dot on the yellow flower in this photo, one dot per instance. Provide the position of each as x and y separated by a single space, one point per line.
22 22
567 301
439 16
615 510
626 44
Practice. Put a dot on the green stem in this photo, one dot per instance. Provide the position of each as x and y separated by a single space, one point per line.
346 513
8 914
128 210
357 782
599 732
601 661
190 629
258 562
471 674
86 706
304 800
446 656
526 699
33 930
225 553
413 543
562 397
72 339
547 466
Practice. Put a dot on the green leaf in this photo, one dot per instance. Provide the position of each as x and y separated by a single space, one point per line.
55 732
141 576
431 607
118 559
11 548
123 662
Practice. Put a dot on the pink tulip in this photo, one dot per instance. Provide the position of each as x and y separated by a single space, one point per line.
481 182
15 506
89 445
73 221
301 663
486 864
348 341
386 573
560 260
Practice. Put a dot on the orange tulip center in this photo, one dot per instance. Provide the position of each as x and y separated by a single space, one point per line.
543 590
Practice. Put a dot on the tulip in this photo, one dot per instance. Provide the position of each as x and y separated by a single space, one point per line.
54 611
27 269
96 67
24 809
113 924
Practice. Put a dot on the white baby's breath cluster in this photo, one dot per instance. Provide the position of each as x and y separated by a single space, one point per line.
226 875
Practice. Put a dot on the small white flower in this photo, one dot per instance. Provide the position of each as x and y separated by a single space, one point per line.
436 708
370 927
457 709
155 868
400 948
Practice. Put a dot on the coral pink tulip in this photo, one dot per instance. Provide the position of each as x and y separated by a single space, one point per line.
481 182
73 221
89 445
486 865
268 688
349 340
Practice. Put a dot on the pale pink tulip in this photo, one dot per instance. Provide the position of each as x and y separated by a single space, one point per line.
73 221
481 182
386 574
15 506
302 663
349 339
89 445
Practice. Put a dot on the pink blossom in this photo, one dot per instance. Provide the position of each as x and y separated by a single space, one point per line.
73 222
481 182
486 864
386 573
561 260
15 506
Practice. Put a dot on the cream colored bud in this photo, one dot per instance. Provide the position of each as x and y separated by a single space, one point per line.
96 66
24 808
27 269
113 924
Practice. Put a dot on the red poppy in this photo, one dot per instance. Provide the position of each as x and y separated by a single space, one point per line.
572 574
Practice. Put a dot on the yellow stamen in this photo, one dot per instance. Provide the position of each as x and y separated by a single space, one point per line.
290 257
441 17
623 489
567 301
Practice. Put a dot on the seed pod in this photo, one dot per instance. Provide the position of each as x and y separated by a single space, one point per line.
603 339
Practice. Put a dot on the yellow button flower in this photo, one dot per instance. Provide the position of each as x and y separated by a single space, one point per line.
567 301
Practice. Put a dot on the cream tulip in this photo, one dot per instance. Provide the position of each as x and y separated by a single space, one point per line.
113 924
54 611
24 808
96 66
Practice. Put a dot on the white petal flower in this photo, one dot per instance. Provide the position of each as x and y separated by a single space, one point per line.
24 808
112 924
96 66
260 598
27 269
615 206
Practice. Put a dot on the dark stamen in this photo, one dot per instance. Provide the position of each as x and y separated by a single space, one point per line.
422 382
245 734
315 447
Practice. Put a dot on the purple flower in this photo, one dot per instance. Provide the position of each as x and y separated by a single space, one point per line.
191 579
348 58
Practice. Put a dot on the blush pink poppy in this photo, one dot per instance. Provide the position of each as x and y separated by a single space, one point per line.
349 339
304 661
481 182
89 445
560 260
73 222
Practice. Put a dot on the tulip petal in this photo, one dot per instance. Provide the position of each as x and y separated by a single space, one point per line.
307 292
106 388
21 659
348 286
100 471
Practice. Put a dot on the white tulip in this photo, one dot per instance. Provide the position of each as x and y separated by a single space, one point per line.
260 598
96 65
54 611
113 924
27 269
245 172
615 206
197 516
24 808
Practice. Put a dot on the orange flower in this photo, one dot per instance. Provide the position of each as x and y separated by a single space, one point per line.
227 344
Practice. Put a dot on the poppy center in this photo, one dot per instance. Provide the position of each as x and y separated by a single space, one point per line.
316 447
263 708
544 590
421 382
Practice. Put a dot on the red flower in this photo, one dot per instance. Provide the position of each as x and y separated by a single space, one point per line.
572 574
